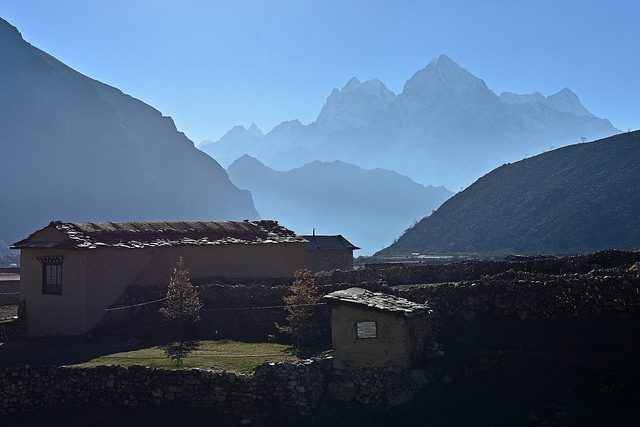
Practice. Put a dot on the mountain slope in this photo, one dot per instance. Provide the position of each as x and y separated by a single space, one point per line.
445 128
75 149
368 207
577 199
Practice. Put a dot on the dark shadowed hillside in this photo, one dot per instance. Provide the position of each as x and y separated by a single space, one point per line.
577 199
74 149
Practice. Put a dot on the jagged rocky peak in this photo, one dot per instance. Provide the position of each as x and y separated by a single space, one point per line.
286 128
443 75
355 104
515 98
352 83
255 130
373 87
565 101
242 132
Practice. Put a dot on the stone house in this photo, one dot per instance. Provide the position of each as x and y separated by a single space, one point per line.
71 272
373 329
326 253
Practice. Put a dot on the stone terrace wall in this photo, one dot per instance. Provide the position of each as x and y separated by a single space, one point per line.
474 269
525 290
271 387
226 307
531 296
9 298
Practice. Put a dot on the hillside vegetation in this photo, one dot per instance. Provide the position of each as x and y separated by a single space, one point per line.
577 199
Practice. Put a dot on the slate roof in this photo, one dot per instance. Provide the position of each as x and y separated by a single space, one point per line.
91 235
378 301
328 243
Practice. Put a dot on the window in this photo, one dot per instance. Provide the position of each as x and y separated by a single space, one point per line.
51 275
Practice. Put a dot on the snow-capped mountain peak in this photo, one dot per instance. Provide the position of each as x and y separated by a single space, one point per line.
443 77
446 128
565 101
354 105
515 98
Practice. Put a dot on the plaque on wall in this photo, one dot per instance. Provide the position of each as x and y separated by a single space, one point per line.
366 330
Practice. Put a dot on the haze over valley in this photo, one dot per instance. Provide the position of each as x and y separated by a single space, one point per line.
446 128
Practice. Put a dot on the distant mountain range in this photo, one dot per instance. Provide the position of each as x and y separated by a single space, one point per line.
576 199
75 149
368 207
445 128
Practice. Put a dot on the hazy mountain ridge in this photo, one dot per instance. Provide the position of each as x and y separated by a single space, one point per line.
76 149
445 128
369 207
577 199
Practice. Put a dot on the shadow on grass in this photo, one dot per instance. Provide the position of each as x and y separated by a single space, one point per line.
59 351
179 350
318 347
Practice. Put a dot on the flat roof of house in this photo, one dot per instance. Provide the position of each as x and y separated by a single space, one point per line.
378 301
9 277
91 235
318 242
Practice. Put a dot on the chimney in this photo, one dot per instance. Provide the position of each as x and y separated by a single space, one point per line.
314 232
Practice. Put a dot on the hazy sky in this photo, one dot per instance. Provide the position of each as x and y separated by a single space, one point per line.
212 65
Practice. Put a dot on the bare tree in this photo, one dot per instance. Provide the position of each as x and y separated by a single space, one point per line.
300 306
183 304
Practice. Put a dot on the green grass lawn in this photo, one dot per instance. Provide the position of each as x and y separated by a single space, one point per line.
207 354
224 354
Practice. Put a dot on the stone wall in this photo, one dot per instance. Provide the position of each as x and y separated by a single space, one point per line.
327 260
271 388
390 386
276 387
526 290
9 298
530 296
474 269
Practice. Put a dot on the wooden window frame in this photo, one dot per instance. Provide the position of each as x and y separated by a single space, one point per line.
52 277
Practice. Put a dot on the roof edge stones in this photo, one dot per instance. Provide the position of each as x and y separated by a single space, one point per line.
378 301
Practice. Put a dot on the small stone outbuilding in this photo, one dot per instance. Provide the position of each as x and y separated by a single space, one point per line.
373 329
326 253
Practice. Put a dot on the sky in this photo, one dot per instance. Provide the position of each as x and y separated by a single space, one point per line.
212 65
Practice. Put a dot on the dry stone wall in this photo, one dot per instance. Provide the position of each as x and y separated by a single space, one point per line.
528 296
271 387
474 269
595 284
9 298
